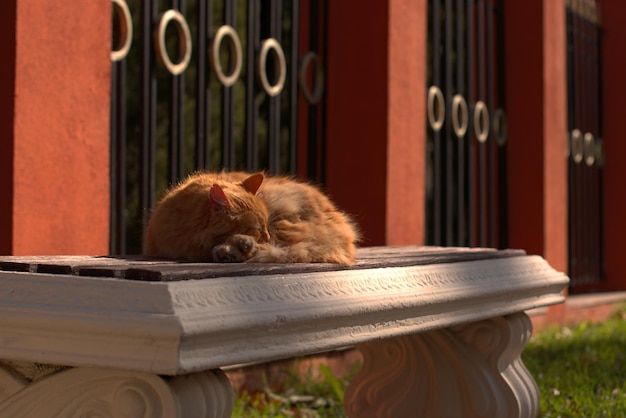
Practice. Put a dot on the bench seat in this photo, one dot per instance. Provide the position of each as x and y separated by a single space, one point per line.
441 331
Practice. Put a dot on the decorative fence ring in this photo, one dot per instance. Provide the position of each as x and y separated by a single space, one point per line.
435 101
126 30
589 149
234 44
268 45
459 104
311 58
184 41
481 117
576 146
500 128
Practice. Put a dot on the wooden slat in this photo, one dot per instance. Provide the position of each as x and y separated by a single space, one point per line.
150 269
213 270
71 264
434 257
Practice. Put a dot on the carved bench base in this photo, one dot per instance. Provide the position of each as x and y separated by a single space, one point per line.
471 370
38 391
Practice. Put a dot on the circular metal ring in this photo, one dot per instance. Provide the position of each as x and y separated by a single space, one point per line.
500 127
184 41
268 45
311 58
435 102
126 30
234 44
589 149
576 146
481 117
459 108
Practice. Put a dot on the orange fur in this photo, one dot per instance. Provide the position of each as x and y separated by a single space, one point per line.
236 216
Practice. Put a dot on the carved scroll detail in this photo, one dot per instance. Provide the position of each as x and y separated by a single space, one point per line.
206 394
105 393
471 370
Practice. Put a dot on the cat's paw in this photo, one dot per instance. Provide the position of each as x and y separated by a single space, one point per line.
236 249
246 244
226 253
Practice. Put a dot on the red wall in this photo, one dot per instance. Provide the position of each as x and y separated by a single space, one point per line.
613 113
537 126
58 167
375 116
7 89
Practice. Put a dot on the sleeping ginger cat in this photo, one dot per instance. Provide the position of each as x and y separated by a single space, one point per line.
235 217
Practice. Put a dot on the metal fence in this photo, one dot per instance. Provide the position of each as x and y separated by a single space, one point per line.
466 144
586 146
203 84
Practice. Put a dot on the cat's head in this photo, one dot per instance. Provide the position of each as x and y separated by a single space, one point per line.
238 210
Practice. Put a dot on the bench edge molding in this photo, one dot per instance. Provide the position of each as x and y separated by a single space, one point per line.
186 326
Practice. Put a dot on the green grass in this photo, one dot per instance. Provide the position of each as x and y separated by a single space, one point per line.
312 395
581 371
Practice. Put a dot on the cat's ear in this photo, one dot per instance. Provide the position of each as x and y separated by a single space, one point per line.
252 183
217 198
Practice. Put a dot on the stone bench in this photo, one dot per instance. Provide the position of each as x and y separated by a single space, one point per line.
441 331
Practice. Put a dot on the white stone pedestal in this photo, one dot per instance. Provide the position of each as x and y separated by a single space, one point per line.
441 332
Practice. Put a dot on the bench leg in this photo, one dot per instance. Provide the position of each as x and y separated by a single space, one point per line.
73 392
471 370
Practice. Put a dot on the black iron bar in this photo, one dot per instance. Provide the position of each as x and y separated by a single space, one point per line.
252 111
589 170
471 143
491 141
595 198
147 130
579 195
502 147
482 181
114 174
118 158
438 184
462 153
449 140
578 83
228 102
313 145
322 108
600 88
293 86
177 118
202 118
580 173
576 201
571 122
586 128
273 139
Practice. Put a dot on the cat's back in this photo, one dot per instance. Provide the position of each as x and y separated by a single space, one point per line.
285 196
305 220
